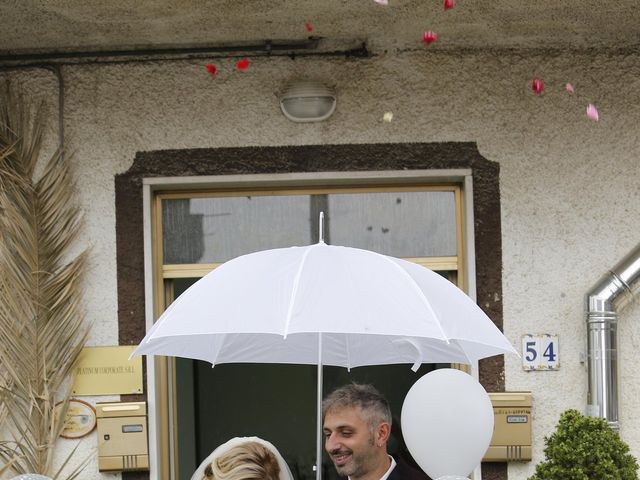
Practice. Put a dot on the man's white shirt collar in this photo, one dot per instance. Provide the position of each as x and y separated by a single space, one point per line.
391 467
389 470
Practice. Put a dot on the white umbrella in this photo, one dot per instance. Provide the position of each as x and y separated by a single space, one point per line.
324 305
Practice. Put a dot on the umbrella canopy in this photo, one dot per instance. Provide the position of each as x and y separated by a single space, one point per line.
363 308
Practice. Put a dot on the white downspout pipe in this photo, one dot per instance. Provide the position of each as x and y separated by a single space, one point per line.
608 296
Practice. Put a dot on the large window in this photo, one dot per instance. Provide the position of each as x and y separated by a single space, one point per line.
196 231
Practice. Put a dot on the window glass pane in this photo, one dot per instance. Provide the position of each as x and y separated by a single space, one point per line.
214 230
401 224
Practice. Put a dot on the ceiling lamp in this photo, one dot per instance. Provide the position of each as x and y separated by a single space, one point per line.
307 101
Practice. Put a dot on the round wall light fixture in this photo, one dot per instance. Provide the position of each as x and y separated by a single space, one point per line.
307 101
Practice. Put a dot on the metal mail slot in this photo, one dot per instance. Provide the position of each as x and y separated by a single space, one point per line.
511 439
122 436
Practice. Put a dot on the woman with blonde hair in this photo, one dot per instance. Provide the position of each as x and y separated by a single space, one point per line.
244 458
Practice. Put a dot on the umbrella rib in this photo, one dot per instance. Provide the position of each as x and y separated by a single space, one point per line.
420 294
294 289
217 353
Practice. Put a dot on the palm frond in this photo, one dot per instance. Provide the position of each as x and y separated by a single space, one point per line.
77 470
42 326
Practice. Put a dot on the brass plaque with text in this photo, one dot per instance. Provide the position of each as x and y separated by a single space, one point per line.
107 371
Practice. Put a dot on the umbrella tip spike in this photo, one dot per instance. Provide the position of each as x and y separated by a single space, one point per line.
321 228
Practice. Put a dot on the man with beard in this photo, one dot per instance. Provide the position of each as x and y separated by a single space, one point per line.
357 426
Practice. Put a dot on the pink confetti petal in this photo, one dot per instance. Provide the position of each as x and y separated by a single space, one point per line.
569 88
211 68
592 113
449 4
382 2
243 64
308 26
537 85
429 37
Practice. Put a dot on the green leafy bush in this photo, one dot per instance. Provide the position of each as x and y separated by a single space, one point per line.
585 448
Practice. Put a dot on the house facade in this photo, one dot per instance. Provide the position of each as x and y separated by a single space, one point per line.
543 201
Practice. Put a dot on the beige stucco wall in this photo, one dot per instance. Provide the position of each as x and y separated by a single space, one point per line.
570 187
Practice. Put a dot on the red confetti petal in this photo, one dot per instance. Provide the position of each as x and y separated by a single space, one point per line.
569 87
429 37
309 27
537 86
243 64
211 68
449 4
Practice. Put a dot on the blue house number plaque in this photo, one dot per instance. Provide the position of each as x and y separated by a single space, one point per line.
540 352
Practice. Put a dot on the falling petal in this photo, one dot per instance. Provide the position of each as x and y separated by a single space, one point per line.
387 117
429 37
449 4
569 87
211 68
537 85
242 64
382 2
309 27
592 113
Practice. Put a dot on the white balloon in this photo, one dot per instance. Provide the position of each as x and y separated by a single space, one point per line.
447 422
